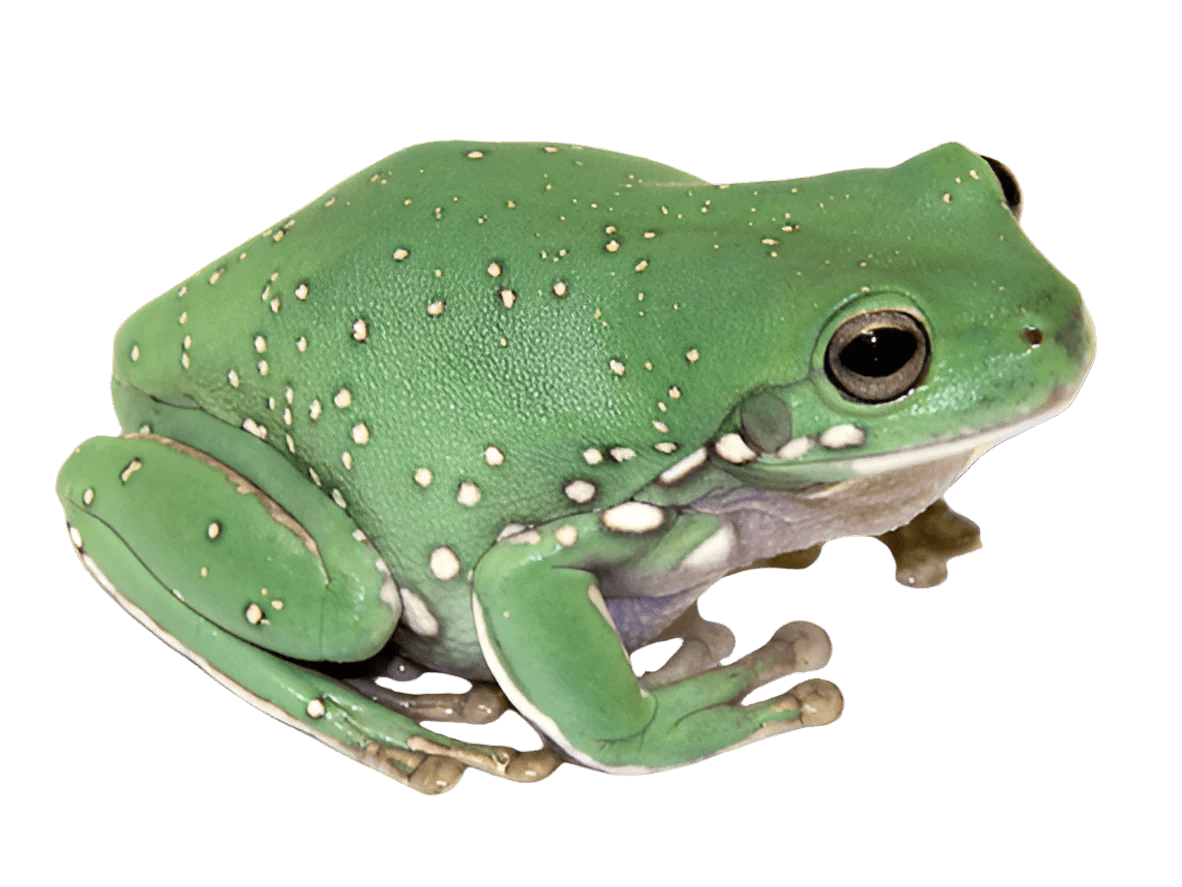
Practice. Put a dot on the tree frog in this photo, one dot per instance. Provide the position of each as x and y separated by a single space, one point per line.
505 411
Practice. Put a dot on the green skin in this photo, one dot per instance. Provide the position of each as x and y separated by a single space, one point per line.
328 430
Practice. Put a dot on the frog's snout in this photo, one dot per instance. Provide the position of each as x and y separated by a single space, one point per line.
1078 339
1062 346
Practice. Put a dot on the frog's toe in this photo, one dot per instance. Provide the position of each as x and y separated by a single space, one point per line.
514 765
427 773
813 703
795 647
923 547
483 704
704 645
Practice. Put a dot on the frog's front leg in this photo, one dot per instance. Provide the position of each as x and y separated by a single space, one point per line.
256 588
548 637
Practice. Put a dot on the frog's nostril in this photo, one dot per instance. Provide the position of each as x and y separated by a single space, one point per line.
1009 185
1032 336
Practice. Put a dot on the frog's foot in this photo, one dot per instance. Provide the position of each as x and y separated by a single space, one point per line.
704 645
923 547
704 715
483 704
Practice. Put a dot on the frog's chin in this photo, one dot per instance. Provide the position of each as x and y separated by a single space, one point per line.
972 445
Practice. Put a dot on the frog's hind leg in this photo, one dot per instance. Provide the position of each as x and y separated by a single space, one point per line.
257 590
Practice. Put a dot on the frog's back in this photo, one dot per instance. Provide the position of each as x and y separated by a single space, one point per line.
458 338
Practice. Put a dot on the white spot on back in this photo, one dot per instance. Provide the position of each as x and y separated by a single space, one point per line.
468 494
493 456
444 563
580 491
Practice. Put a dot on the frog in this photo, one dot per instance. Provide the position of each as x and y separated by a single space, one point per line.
505 411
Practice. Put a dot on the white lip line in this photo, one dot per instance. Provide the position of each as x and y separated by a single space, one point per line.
980 441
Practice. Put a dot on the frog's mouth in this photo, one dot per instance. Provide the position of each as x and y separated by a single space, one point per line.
972 445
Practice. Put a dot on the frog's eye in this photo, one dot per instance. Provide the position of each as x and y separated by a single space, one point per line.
1009 185
877 356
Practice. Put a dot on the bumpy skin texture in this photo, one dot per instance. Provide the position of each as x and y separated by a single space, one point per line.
509 409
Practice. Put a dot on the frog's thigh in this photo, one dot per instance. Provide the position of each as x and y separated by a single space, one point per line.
547 636
295 577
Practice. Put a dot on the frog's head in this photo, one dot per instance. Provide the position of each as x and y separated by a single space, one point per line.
941 332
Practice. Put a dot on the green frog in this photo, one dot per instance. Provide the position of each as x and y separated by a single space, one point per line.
505 411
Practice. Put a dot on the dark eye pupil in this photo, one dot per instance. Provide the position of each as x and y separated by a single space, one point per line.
878 352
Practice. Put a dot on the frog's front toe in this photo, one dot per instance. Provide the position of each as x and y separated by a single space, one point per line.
812 703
